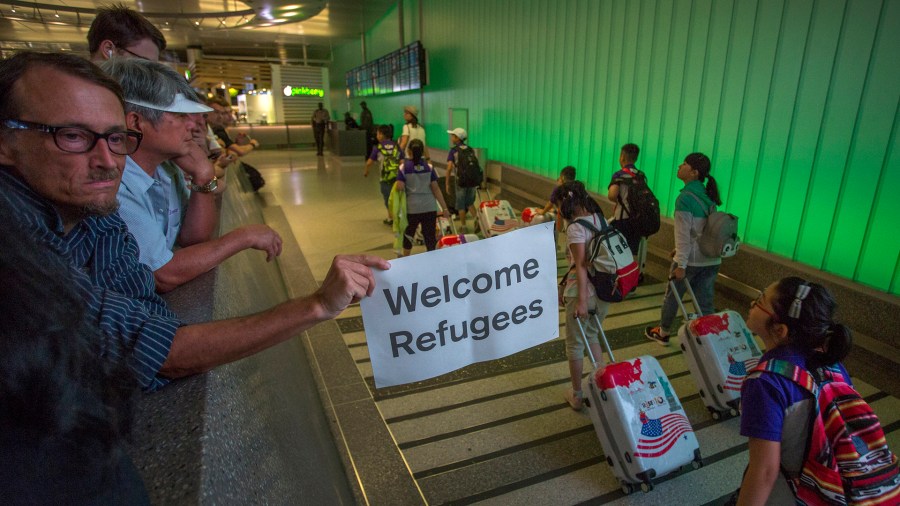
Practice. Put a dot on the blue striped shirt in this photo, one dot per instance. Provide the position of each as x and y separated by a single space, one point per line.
119 291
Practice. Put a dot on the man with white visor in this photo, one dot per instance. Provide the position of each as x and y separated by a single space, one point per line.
167 192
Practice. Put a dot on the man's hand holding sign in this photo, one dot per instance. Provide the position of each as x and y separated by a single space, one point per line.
435 313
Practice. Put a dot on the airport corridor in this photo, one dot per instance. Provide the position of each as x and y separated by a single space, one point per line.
501 432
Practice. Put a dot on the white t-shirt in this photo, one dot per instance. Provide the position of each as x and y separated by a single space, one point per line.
576 233
415 133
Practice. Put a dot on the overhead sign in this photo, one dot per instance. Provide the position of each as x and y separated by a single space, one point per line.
437 312
294 91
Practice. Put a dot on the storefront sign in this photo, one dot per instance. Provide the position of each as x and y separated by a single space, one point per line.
303 91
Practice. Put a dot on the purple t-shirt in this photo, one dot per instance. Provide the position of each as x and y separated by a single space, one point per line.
767 399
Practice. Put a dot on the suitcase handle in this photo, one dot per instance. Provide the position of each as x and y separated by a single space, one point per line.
671 286
440 211
603 341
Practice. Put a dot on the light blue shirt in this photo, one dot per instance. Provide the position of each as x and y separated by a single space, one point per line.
153 208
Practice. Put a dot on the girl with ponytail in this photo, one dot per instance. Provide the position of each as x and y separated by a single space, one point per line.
577 293
795 319
697 200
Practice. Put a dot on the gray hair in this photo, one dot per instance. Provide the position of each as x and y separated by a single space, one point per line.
147 81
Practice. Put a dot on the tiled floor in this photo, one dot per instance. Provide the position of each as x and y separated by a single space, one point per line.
501 433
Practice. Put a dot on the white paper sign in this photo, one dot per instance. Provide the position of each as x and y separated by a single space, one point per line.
436 312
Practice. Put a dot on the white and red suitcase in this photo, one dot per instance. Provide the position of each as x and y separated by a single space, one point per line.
639 420
719 350
496 217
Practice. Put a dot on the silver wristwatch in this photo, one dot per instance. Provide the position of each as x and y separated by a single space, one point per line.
208 187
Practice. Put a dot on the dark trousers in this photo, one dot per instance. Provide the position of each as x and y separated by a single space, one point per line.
428 221
319 133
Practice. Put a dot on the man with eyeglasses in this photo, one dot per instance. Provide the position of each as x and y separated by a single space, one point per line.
120 31
62 153
161 210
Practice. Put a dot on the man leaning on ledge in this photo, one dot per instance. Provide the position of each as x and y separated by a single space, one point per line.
62 153
163 211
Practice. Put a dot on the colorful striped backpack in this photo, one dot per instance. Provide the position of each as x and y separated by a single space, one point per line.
847 459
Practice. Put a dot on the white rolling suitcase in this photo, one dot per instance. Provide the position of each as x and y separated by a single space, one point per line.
720 351
639 420
496 217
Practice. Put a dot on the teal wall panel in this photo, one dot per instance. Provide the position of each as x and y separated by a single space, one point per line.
795 101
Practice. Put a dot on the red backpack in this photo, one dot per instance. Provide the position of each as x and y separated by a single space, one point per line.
847 460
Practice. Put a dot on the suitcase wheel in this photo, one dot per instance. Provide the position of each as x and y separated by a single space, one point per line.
715 414
734 412
646 487
696 464
627 488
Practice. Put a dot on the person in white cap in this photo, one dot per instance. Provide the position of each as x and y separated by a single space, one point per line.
412 129
162 209
465 192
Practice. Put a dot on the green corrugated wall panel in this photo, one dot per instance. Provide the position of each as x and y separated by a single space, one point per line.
731 107
809 110
878 133
769 188
847 79
755 104
795 101
871 129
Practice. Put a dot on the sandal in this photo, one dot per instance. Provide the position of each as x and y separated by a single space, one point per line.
575 399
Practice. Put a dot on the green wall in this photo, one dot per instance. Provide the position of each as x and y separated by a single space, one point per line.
795 101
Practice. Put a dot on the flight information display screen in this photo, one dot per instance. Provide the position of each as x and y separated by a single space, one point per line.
402 70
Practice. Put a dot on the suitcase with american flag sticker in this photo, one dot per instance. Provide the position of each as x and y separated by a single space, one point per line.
638 418
719 350
495 217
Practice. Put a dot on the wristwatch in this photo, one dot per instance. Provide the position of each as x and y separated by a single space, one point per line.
206 188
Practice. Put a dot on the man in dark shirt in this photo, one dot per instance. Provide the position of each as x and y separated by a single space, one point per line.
62 153
368 124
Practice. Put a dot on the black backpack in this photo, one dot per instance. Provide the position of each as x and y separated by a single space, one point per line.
642 210
468 170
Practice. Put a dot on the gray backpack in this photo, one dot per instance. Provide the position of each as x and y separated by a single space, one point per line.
719 237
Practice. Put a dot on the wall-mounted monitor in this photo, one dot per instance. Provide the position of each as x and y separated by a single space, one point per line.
403 70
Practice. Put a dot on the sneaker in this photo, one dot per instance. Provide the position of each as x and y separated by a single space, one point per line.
575 399
655 334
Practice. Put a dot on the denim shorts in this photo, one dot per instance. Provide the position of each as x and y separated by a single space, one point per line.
465 197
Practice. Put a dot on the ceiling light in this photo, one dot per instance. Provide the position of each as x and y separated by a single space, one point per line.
12 8
289 14
291 7
56 14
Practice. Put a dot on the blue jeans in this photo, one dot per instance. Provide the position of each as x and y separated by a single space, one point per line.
703 281
386 188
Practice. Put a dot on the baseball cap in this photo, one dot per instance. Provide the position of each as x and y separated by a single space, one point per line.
180 104
459 132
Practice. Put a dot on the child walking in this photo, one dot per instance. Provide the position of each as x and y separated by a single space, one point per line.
577 293
795 320
389 154
691 209
419 181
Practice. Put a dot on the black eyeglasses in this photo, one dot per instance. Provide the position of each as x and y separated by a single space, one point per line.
132 53
81 140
